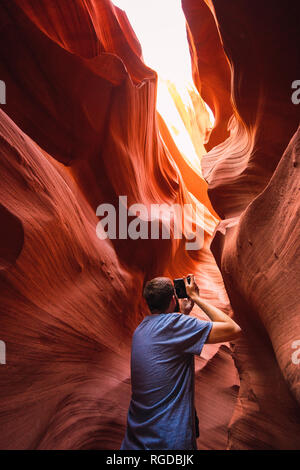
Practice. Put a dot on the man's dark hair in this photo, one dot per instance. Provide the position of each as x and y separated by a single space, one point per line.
158 293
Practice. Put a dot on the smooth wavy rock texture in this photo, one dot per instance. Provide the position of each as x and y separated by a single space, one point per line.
79 129
254 184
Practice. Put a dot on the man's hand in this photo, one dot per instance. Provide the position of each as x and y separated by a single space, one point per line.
186 306
223 327
191 287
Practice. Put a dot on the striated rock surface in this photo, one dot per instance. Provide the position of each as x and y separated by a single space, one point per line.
254 184
211 72
80 129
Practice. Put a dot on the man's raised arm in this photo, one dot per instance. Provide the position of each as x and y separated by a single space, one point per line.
223 328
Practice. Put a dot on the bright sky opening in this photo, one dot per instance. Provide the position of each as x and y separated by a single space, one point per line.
160 27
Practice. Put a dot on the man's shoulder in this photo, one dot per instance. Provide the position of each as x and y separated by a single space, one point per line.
166 320
189 322
158 320
177 320
181 317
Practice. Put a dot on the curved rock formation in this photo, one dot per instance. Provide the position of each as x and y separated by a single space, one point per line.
211 70
80 129
254 184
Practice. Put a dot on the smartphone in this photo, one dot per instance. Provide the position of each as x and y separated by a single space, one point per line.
180 288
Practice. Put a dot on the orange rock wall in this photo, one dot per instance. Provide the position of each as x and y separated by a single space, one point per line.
79 129
253 183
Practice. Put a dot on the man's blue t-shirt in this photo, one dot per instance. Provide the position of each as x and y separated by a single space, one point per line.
161 413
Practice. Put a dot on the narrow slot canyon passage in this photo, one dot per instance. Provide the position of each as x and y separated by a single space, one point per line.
112 108
189 122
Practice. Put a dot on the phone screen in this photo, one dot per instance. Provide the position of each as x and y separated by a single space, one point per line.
180 288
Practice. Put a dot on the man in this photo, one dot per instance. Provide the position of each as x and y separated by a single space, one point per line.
161 414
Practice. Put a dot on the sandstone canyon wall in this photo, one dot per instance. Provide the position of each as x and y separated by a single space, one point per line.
254 182
79 129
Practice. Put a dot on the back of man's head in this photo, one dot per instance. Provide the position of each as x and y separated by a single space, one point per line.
158 294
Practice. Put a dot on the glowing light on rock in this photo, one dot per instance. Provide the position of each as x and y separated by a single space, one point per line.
161 29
